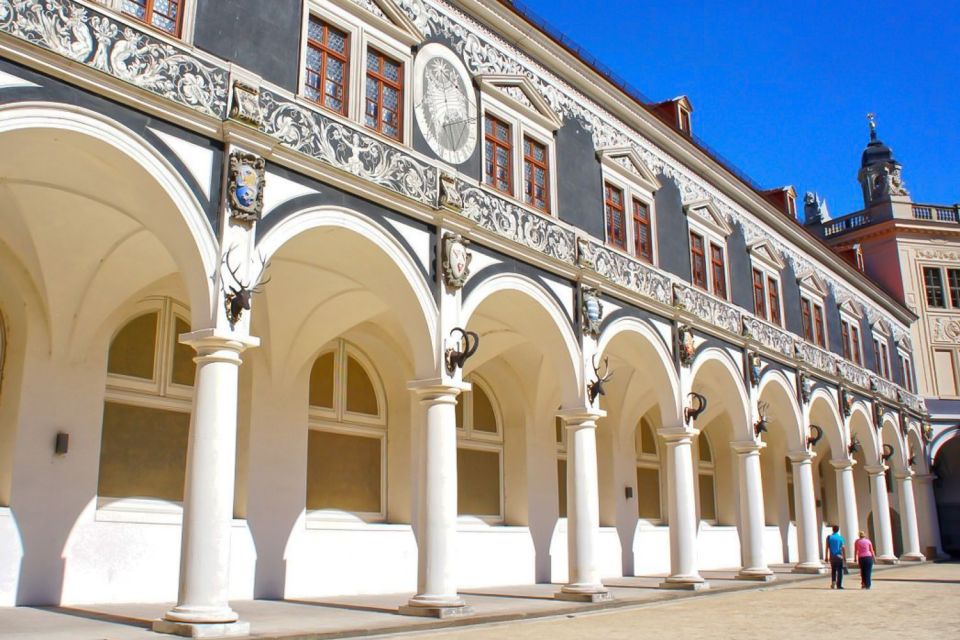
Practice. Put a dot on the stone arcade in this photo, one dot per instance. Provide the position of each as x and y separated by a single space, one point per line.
320 308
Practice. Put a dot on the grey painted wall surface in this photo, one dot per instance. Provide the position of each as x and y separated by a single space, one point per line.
834 342
579 180
791 300
740 270
263 37
673 244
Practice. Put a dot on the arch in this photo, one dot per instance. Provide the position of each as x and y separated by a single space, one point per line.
890 434
730 378
569 375
861 425
422 333
822 410
195 260
648 340
774 383
939 440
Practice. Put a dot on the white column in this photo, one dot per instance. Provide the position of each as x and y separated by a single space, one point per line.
682 510
436 535
752 522
881 514
847 499
583 508
927 520
806 510
908 518
202 609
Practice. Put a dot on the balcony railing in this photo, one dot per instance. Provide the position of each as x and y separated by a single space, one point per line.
847 223
937 212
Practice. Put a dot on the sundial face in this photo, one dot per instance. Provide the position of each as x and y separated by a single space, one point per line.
445 104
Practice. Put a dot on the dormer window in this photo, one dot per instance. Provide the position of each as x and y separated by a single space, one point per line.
684 120
767 264
628 190
708 241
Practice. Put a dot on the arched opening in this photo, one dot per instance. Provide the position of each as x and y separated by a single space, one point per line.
946 467
823 412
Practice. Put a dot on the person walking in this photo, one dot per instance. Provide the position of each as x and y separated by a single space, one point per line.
863 553
836 552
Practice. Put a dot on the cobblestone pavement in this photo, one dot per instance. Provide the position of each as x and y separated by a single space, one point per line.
913 602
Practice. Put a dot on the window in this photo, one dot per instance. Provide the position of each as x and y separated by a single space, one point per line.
907 370
648 472
708 232
616 220
479 454
346 444
767 266
384 95
850 335
718 271
536 174
146 411
328 56
812 293
643 235
706 485
759 298
953 282
819 327
933 283
498 149
881 354
698 265
166 15
773 293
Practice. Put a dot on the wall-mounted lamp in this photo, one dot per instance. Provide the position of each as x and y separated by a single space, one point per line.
62 444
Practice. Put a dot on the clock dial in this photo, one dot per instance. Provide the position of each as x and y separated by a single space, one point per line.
445 104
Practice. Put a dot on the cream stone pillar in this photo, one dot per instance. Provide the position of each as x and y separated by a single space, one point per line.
583 508
847 499
806 508
682 510
752 521
881 514
908 518
927 520
436 535
202 609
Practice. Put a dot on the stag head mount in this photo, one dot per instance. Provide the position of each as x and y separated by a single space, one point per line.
595 386
237 296
888 452
697 406
466 346
815 436
763 422
854 445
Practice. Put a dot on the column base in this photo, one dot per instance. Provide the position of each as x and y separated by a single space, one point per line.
756 575
685 583
813 569
202 630
578 595
435 607
913 557
888 560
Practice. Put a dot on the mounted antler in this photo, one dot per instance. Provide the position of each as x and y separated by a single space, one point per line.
761 424
888 452
456 358
595 387
854 445
692 413
814 439
237 300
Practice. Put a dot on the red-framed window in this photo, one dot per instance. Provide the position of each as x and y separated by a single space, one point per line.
536 174
166 15
845 338
806 316
719 268
498 148
698 261
759 296
855 344
616 217
383 111
642 230
907 373
773 294
885 359
328 63
818 326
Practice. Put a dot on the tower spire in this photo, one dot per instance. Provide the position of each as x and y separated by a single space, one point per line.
872 119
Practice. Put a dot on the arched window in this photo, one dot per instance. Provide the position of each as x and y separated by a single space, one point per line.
648 472
346 444
479 454
706 479
146 411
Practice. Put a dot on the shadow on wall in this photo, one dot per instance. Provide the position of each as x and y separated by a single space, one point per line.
947 491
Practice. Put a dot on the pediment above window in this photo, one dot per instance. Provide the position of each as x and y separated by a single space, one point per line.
852 308
389 17
813 283
882 327
520 95
765 253
707 214
627 162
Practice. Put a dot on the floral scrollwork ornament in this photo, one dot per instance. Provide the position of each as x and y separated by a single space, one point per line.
456 260
245 180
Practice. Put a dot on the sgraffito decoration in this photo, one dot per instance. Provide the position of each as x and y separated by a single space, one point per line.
90 38
245 186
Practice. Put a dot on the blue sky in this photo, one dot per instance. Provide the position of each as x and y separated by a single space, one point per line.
782 89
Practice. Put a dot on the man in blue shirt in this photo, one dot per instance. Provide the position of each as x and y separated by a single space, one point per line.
836 553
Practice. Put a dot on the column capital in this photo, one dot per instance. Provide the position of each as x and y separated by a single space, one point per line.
581 417
802 457
206 340
747 447
875 469
678 435
437 390
843 464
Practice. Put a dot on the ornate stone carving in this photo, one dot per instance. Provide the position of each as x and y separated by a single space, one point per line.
245 106
817 358
938 254
311 132
450 196
945 330
591 311
370 6
516 223
806 387
686 348
245 186
89 37
706 307
755 365
456 260
626 272
444 103
768 335
852 373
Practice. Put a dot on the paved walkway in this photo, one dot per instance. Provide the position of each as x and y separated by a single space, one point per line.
743 609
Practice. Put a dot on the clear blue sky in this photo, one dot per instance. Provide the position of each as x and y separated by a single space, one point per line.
782 89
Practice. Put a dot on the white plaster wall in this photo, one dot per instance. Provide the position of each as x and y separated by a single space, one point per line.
11 552
651 550
492 556
718 547
609 556
331 560
772 545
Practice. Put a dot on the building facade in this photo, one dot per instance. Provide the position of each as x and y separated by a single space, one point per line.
353 296
913 250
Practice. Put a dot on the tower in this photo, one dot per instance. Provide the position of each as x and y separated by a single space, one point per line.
880 173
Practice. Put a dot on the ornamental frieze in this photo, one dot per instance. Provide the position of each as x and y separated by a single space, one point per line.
529 229
886 389
945 330
852 373
768 335
938 254
816 357
706 307
311 132
89 37
626 272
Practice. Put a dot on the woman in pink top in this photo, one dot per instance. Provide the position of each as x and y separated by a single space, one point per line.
863 554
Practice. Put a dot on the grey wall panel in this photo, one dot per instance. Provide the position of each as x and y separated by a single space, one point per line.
673 243
832 315
740 269
579 179
791 300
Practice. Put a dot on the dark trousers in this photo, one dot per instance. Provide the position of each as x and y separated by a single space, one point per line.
866 571
836 571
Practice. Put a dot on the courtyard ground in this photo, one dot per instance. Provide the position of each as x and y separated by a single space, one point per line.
917 601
